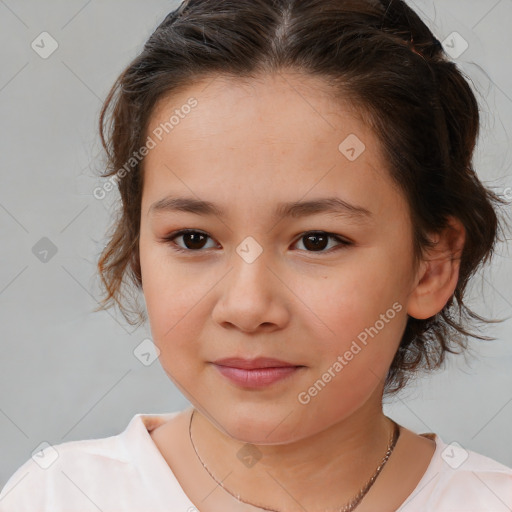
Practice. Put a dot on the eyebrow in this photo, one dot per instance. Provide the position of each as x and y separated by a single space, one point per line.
295 209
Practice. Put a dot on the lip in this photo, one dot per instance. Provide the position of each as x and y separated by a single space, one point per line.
255 373
257 378
253 364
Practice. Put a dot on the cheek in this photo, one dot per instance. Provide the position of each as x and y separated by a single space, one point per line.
166 286
175 330
356 313
172 298
351 363
352 297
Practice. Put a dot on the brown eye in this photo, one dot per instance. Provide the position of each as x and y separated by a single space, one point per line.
317 241
193 240
313 241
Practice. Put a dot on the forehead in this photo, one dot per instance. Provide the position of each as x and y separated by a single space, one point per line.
282 133
285 107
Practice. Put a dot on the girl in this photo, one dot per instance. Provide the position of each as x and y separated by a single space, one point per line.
300 211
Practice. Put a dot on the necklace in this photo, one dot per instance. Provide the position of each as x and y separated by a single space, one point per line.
346 508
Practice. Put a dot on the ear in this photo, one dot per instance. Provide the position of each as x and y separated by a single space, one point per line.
438 273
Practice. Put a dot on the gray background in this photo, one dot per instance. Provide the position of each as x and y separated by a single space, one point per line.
67 373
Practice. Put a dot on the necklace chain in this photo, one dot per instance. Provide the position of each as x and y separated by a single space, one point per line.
349 507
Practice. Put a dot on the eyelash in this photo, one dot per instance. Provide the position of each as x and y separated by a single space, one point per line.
169 240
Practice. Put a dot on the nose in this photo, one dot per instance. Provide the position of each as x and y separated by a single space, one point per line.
252 296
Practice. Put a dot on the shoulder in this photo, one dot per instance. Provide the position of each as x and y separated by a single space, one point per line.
469 480
86 474
67 469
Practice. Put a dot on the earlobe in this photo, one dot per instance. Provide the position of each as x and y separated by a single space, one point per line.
438 273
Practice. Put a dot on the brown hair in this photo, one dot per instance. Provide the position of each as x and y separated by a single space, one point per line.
380 56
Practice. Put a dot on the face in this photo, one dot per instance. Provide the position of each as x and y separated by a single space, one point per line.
323 289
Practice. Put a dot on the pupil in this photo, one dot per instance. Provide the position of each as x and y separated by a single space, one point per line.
315 238
194 237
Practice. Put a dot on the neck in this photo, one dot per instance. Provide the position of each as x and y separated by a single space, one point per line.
336 462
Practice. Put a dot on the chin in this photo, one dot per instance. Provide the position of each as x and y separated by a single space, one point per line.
264 430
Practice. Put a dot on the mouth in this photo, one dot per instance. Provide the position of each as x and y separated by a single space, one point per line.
256 373
255 363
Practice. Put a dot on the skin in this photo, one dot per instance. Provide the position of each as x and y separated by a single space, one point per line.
246 147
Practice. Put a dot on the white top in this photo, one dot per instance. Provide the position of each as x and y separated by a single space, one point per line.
127 473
